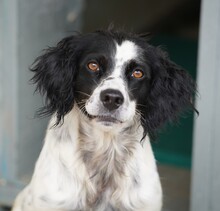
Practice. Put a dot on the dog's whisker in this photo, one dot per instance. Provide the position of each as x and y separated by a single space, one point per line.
83 93
141 105
82 102
130 90
95 82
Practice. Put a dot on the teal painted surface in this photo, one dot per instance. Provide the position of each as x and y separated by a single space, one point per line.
174 144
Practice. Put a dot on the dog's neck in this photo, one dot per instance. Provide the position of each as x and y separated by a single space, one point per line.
105 162
106 153
88 138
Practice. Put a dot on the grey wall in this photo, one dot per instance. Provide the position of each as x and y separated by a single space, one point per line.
26 27
206 162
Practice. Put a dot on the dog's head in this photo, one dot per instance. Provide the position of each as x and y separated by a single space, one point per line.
114 78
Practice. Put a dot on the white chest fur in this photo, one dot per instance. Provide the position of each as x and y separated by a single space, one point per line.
81 168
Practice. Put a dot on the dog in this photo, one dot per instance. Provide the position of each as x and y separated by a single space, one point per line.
108 92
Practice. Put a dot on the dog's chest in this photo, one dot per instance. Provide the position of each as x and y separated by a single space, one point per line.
91 173
107 165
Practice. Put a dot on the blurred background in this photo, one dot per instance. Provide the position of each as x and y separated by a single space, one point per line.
186 153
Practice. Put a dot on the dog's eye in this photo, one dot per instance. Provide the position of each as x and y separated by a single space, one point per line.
137 74
93 66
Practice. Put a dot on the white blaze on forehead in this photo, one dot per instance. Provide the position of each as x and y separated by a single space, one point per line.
124 53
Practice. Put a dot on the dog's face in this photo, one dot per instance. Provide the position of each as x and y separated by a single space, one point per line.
113 78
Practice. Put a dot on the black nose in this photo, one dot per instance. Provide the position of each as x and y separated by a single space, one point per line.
111 99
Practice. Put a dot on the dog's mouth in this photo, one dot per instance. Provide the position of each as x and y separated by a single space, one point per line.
106 120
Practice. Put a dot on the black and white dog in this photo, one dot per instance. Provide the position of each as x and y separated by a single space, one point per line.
108 92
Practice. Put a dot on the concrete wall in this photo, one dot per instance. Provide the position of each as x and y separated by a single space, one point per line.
206 162
26 27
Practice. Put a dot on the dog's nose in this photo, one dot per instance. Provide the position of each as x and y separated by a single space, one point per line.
111 99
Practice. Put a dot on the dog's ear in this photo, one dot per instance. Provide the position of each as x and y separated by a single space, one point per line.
172 91
54 75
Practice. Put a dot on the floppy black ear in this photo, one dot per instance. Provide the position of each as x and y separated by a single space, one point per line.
54 75
172 91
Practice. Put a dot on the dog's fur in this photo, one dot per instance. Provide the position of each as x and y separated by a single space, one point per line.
97 155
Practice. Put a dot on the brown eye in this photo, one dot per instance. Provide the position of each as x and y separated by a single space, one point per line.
93 66
137 74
